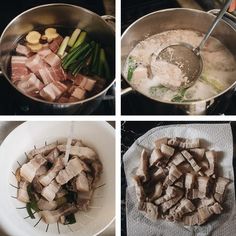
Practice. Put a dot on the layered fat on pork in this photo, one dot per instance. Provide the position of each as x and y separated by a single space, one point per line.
59 188
178 181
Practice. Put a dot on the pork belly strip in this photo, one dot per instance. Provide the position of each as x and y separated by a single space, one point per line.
23 50
51 217
22 193
49 192
28 170
72 169
42 150
52 173
80 151
191 160
142 170
82 182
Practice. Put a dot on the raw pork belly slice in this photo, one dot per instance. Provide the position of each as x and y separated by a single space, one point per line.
30 83
53 91
44 52
49 75
84 82
23 50
52 59
18 67
55 44
35 63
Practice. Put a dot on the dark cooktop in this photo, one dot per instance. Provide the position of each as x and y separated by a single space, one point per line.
8 100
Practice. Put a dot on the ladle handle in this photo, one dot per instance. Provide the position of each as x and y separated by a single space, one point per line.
217 19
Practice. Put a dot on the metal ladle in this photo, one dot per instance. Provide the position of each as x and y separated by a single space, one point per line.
187 58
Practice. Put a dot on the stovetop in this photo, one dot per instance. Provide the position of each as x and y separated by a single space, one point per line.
137 104
8 99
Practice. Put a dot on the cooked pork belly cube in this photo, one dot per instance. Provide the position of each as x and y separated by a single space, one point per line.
22 193
155 157
198 153
51 217
167 150
192 219
52 173
23 50
220 187
52 59
152 211
79 93
41 171
85 152
159 173
72 169
161 141
157 191
49 192
53 91
216 208
176 159
42 150
38 187
211 157
28 170
46 74
191 160
190 143
204 214
52 156
35 63
139 189
82 182
186 206
174 174
142 170
168 204
46 205
189 180
30 84
203 184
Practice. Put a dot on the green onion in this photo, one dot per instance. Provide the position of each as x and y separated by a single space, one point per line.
63 46
131 69
29 210
179 96
95 60
73 37
80 39
105 65
70 219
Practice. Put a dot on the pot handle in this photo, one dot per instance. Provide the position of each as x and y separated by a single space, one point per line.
229 18
110 20
125 87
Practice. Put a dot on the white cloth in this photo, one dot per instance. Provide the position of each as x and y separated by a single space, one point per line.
213 136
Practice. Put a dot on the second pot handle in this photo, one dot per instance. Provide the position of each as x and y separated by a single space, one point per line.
229 18
110 20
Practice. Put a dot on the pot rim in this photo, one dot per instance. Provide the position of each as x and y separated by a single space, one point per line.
167 102
62 105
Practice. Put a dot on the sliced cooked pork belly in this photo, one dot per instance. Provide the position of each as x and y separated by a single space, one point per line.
157 191
159 173
51 217
72 169
139 189
186 206
156 156
189 181
161 141
190 143
167 150
52 59
22 194
203 184
23 50
49 192
28 170
82 182
51 157
85 152
177 159
198 153
151 211
211 158
174 174
53 91
171 192
191 160
52 173
38 187
79 93
46 205
30 84
42 150
220 187
41 171
204 214
35 63
192 219
142 170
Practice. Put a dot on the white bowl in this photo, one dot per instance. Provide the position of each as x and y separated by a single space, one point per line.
98 135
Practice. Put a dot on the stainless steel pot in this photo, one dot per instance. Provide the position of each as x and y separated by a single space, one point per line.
67 16
180 18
